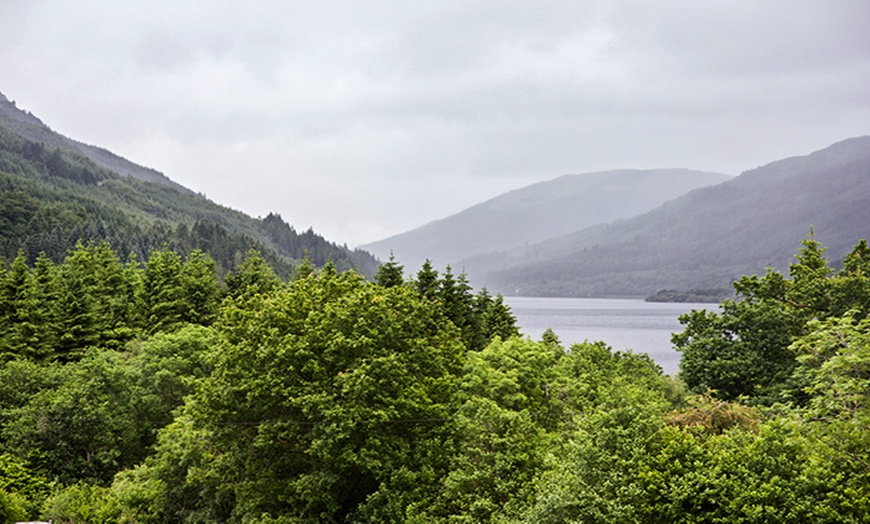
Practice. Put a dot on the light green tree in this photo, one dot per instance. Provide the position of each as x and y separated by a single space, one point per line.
328 400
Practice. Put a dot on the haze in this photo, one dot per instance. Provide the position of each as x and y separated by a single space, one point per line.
367 119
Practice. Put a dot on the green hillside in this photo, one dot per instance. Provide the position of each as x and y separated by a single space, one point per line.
53 194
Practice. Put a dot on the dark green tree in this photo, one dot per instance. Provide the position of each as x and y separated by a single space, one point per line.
426 282
743 349
497 320
21 326
164 292
78 321
254 276
390 273
456 300
200 286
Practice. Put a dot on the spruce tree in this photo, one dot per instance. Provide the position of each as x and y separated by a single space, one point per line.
426 283
164 291
390 274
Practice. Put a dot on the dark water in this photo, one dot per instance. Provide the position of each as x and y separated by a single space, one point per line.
643 327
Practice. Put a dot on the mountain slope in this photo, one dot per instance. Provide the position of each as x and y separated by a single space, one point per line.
53 194
707 237
541 211
32 128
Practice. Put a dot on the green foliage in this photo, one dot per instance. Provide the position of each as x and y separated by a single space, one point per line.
480 317
744 348
591 474
835 371
253 277
86 429
520 400
87 420
327 392
500 430
21 489
154 394
12 507
83 503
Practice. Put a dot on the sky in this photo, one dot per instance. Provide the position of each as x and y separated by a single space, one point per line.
364 119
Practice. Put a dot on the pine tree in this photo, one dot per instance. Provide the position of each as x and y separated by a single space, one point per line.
164 291
114 298
499 320
390 274
21 338
253 276
201 289
78 324
46 294
426 283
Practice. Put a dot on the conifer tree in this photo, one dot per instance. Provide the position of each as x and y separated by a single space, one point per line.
390 274
499 321
77 316
253 276
426 283
200 286
114 299
21 319
456 300
45 291
164 291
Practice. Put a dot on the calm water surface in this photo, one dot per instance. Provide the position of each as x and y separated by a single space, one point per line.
623 323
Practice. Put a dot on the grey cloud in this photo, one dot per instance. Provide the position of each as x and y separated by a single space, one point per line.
351 112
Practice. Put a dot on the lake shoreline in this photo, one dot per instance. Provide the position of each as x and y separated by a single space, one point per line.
622 323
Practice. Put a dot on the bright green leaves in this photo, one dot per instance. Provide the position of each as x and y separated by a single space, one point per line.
500 430
835 372
522 404
329 385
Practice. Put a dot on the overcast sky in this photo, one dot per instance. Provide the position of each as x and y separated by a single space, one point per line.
364 119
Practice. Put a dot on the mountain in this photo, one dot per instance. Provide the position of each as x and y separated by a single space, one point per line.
32 128
704 239
541 211
56 191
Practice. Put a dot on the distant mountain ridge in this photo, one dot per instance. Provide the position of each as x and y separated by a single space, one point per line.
706 238
29 126
541 211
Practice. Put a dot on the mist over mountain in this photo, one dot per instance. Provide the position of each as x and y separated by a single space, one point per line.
704 239
541 211
56 191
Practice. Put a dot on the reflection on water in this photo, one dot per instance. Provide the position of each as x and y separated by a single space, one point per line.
623 323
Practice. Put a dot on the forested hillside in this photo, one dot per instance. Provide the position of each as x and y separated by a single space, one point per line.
153 393
542 211
705 239
29 126
52 196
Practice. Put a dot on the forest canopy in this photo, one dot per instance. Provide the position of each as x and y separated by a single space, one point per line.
155 390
